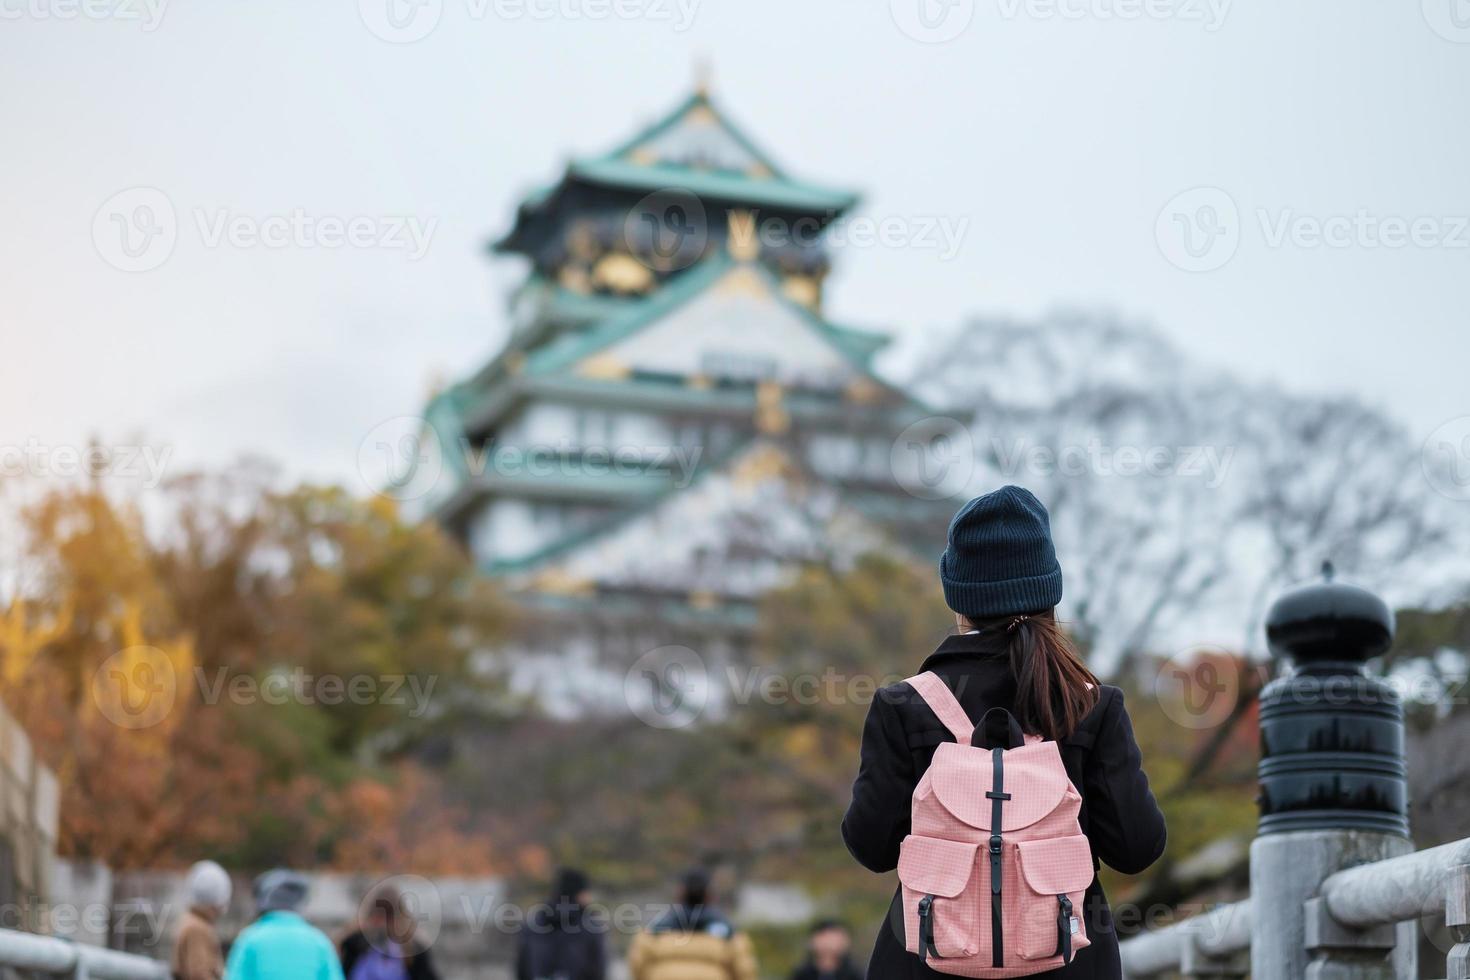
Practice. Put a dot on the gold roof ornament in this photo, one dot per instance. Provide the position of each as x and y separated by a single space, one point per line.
581 242
771 416
621 273
761 464
557 581
864 391
704 71
603 367
804 290
743 244
574 277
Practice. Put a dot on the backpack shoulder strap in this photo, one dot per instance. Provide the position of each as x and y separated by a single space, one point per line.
937 695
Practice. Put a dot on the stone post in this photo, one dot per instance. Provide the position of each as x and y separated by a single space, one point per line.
1332 791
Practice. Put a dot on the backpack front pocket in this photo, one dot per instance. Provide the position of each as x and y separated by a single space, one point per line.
1055 873
941 918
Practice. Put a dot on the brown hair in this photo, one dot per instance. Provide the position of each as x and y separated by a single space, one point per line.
1054 689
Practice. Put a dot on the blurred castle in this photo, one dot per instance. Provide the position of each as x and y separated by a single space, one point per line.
673 421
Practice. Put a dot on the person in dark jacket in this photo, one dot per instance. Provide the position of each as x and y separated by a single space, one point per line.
1000 575
559 941
385 946
829 948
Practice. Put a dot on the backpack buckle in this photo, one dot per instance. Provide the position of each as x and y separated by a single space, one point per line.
995 843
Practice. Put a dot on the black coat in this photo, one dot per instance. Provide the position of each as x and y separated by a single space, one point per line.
808 971
563 944
1119 815
420 967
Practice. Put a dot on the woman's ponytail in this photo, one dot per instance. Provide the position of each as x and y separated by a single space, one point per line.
1054 689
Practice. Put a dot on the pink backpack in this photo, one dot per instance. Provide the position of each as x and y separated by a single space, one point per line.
994 870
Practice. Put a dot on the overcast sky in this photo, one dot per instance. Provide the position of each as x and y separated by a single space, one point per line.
1321 149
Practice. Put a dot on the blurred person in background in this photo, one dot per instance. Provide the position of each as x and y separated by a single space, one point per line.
692 941
280 944
558 942
828 951
198 954
385 946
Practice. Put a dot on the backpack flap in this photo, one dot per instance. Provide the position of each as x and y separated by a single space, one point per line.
1057 865
936 867
960 777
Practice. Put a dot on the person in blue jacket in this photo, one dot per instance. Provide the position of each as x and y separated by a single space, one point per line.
280 944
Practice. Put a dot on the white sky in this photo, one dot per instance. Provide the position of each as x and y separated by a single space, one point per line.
1057 139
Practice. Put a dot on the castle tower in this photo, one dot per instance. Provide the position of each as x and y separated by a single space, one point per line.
672 423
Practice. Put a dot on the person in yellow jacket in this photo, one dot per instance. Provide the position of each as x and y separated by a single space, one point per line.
692 941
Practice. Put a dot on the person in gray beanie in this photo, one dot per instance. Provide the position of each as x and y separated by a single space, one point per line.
280 944
1000 576
197 951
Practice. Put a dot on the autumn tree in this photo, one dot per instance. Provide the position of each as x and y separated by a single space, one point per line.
247 682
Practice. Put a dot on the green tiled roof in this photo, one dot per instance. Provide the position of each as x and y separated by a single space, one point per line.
696 100
716 185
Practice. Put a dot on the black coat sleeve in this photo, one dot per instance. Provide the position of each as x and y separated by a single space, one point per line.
598 966
422 967
523 956
877 820
350 949
1125 824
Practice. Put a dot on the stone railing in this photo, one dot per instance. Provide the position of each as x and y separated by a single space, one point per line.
1351 925
78 961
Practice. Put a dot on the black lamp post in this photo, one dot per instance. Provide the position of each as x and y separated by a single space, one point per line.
1332 738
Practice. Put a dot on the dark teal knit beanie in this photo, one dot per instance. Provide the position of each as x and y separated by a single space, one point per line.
1000 560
